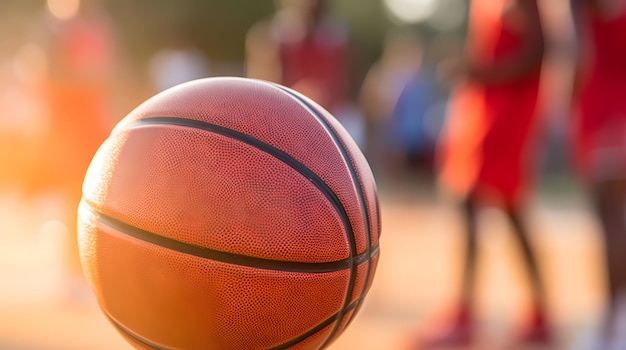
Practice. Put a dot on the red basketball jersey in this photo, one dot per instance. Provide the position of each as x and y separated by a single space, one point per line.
484 143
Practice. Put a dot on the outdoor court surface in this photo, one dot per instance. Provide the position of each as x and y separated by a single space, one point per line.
416 276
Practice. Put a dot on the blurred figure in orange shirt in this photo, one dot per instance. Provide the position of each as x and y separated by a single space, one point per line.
599 136
483 154
80 53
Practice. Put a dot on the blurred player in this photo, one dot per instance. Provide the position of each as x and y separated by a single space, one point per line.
600 142
177 62
484 150
303 47
395 96
79 48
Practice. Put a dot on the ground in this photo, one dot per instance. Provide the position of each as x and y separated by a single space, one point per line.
415 280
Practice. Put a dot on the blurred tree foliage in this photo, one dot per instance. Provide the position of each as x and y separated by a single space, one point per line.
217 27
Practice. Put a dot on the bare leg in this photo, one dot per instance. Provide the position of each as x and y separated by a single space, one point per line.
610 205
537 330
528 254
457 331
468 283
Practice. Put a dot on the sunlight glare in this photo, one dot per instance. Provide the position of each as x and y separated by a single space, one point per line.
30 63
63 9
411 11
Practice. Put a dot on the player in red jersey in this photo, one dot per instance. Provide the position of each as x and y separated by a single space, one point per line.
303 47
483 153
599 136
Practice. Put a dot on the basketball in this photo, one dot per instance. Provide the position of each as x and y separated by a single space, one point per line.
229 213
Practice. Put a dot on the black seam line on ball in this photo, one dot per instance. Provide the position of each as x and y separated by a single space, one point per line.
216 255
346 157
315 329
290 343
369 266
133 335
272 151
281 155
359 191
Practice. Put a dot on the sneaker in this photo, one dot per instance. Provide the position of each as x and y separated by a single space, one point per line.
537 331
457 332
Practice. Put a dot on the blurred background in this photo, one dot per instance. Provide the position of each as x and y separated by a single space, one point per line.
70 69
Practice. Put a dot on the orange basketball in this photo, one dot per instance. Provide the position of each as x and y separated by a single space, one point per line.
229 213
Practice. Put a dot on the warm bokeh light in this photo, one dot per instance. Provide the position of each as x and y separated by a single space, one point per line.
411 11
52 238
63 9
30 63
